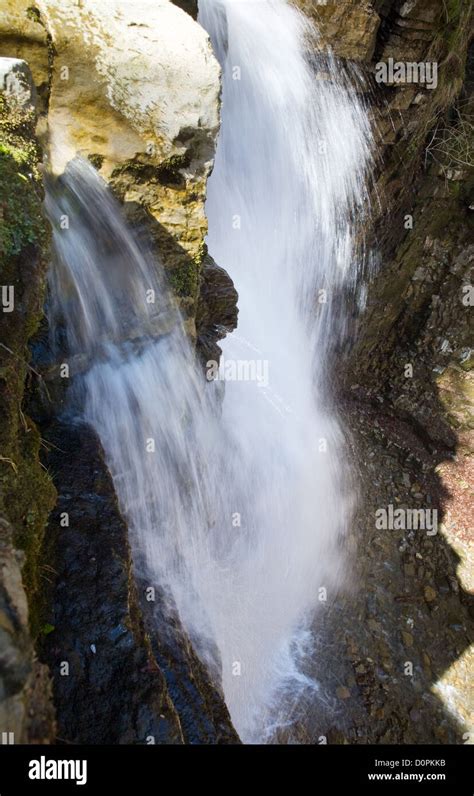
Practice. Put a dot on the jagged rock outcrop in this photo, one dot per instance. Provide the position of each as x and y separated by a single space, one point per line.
217 309
23 36
16 84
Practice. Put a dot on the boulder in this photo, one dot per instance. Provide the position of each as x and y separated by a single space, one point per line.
130 80
16 83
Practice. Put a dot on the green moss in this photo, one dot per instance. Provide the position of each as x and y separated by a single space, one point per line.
34 14
19 207
47 628
201 254
26 491
184 280
20 202
453 30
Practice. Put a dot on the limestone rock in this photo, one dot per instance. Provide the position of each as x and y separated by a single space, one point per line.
16 83
129 79
135 88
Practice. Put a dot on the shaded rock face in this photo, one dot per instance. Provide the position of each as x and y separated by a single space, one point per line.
26 709
419 344
190 6
107 688
115 680
26 491
16 83
417 311
399 638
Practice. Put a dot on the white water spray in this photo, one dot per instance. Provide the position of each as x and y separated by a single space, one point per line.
239 514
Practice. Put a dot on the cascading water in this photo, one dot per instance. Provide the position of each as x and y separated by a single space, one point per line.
287 181
237 511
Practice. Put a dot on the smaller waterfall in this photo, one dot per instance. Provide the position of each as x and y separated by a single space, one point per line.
141 389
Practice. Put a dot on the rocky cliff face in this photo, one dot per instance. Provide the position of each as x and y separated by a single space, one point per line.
410 345
135 91
417 312
407 381
26 491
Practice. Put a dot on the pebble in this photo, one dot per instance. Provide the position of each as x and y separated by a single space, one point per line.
342 692
430 594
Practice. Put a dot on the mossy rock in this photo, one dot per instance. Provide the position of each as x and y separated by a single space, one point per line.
26 491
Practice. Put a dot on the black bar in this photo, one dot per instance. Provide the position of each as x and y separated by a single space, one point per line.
136 769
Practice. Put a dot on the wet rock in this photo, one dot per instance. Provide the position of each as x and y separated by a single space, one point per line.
343 693
401 626
217 309
111 685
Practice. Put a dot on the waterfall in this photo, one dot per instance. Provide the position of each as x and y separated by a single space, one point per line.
237 509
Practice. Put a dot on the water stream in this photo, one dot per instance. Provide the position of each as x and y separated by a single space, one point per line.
238 510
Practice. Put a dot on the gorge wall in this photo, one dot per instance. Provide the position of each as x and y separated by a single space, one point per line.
27 493
404 379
